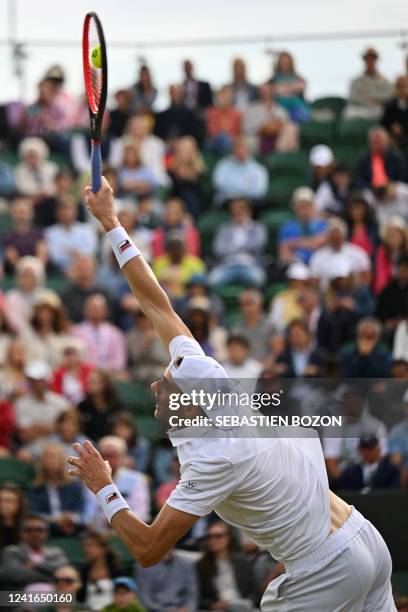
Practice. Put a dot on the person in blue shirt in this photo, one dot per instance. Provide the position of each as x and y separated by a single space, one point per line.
300 238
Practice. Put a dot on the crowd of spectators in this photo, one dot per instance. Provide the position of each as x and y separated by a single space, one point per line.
323 296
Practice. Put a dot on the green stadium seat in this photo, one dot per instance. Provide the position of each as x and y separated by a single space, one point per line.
354 130
273 289
400 583
126 559
14 470
349 153
135 396
332 106
5 222
281 187
207 226
317 132
287 163
147 426
72 547
273 219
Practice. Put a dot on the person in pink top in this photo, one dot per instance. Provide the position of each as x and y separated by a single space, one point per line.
176 218
105 343
394 243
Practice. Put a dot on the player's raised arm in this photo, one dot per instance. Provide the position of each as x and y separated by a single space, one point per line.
152 299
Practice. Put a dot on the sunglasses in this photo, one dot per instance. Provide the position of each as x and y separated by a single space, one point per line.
64 580
35 529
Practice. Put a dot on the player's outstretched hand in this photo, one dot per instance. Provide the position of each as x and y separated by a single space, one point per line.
90 467
101 205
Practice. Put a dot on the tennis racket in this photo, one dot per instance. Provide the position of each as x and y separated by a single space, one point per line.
96 84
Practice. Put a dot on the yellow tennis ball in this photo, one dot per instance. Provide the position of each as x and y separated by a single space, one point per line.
96 56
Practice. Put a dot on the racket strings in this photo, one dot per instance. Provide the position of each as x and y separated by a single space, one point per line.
94 72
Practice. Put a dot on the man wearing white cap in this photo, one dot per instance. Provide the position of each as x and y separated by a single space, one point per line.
274 489
299 238
37 412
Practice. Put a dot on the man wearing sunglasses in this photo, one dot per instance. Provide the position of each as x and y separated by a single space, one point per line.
274 489
33 559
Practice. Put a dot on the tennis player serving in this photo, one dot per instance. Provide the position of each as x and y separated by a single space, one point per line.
274 489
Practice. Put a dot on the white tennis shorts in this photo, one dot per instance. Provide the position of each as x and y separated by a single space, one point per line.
350 572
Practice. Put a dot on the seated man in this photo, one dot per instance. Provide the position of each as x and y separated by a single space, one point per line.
369 91
33 559
380 164
178 585
69 237
133 485
38 410
125 596
238 248
366 358
287 510
239 175
104 342
323 260
177 120
267 126
23 238
223 122
253 323
300 238
395 117
398 441
239 364
373 471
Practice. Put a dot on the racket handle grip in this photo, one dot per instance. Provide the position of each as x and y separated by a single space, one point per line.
96 166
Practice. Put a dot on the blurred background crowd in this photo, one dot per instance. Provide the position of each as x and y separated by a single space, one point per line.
278 226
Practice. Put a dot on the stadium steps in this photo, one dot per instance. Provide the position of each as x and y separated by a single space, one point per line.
16 471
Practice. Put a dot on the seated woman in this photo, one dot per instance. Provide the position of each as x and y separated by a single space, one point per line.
97 574
99 406
13 506
290 88
35 174
394 244
226 578
68 430
13 382
361 224
186 171
55 495
223 122
175 217
45 335
134 178
30 278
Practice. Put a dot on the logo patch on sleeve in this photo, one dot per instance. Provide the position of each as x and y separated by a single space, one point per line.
111 497
191 485
123 245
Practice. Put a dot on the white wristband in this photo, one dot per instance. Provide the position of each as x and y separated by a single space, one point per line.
111 501
122 245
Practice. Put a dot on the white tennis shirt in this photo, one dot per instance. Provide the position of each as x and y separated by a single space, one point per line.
274 489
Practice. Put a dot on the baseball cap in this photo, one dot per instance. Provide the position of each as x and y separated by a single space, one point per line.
298 271
127 582
302 194
38 370
321 155
368 442
370 51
